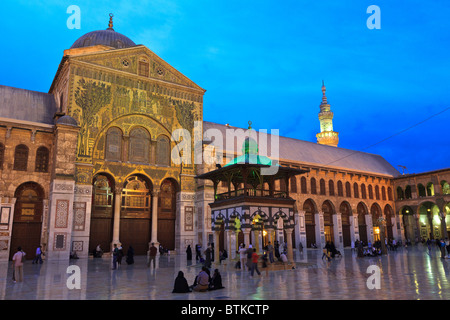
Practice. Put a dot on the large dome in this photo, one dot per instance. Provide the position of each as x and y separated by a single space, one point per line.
107 37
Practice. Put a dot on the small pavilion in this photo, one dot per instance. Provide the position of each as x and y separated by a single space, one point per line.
255 205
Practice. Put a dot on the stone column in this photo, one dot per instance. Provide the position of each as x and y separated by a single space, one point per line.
443 225
216 247
116 223
246 232
290 252
154 238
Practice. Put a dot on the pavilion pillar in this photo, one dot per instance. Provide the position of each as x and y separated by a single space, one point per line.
290 251
116 221
154 238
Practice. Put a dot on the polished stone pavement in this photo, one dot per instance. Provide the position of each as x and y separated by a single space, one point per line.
407 274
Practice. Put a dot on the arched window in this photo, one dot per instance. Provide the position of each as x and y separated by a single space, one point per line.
408 192
421 189
370 191
42 157
383 193
293 184
313 186
389 192
377 192
21 158
340 188
430 189
400 194
303 185
331 188
113 149
348 191
322 186
2 155
163 151
355 190
445 187
363 191
139 145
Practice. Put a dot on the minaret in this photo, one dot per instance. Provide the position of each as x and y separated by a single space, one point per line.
327 135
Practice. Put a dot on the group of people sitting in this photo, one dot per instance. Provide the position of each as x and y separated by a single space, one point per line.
203 282
330 251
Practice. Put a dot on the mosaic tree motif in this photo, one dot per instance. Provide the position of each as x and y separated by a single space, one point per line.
90 96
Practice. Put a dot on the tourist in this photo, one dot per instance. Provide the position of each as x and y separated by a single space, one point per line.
442 248
264 262
152 255
198 252
38 255
188 253
208 257
119 255
270 250
216 281
254 261
18 260
98 252
181 284
243 256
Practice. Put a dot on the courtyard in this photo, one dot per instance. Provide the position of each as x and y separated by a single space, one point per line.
406 274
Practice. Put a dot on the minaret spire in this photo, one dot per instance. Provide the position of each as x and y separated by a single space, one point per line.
326 135
110 24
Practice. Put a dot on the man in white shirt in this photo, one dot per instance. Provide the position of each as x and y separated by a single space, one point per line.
243 256
18 259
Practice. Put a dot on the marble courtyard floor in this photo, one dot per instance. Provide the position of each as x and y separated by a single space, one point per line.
407 274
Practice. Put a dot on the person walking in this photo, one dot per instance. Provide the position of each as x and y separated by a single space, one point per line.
243 256
208 257
18 260
198 252
130 255
254 260
38 257
270 250
152 255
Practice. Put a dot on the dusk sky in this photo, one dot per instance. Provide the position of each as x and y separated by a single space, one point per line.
264 61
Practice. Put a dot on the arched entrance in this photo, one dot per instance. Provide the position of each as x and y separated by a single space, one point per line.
345 211
167 208
429 221
375 211
362 212
27 223
102 213
135 214
310 210
328 211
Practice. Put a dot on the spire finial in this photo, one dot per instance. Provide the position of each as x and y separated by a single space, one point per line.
249 124
324 89
110 25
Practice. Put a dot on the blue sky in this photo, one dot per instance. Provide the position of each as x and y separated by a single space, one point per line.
264 61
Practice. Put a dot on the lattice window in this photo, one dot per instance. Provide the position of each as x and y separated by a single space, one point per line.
163 151
322 186
21 158
340 188
303 185
313 186
139 145
348 190
293 185
114 144
355 190
143 69
42 158
331 188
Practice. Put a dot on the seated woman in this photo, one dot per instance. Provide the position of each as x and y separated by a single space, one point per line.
216 281
202 280
181 284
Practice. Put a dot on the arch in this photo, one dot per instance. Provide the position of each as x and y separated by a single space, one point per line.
42 158
163 150
363 191
139 146
293 184
377 192
310 208
370 189
409 222
445 186
340 188
322 187
328 212
348 190
113 147
303 185
313 186
430 189
383 193
389 193
101 225
355 190
346 211
28 211
21 157
429 220
375 212
362 211
421 190
331 187
408 192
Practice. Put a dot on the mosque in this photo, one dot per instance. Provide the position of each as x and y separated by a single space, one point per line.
90 163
